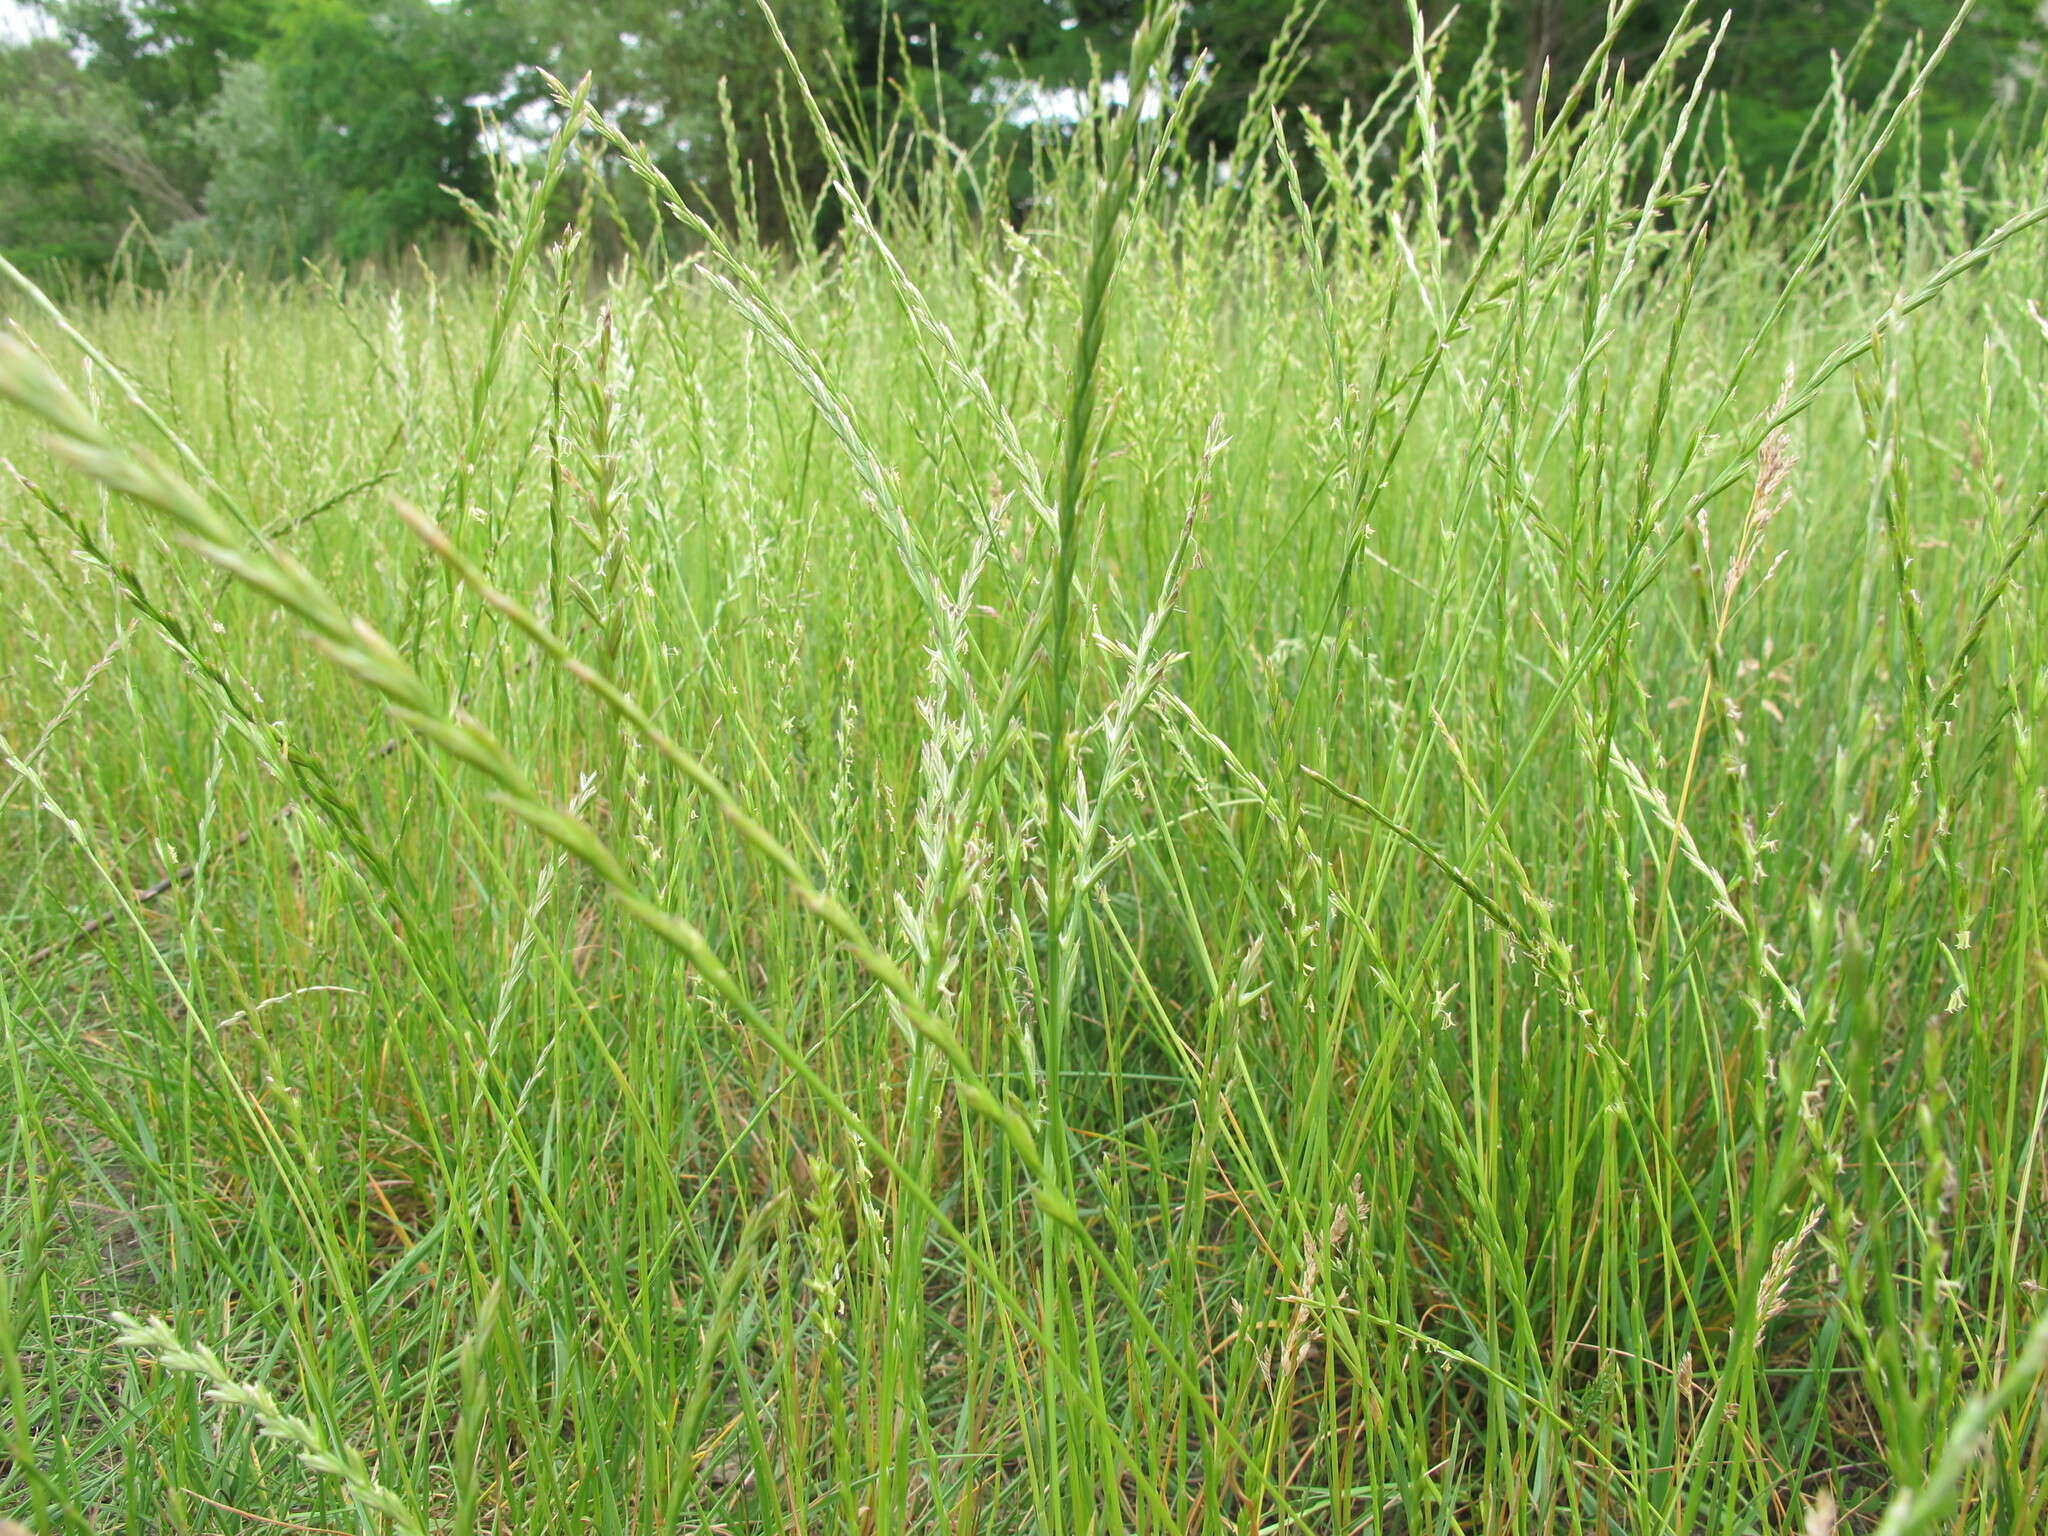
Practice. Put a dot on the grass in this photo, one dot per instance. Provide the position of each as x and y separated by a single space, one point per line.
1356 850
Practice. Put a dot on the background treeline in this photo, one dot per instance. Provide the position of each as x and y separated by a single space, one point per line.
271 130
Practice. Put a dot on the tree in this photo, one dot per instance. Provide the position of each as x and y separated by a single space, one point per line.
1773 70
659 69
75 168
262 128
293 126
164 59
1779 60
376 109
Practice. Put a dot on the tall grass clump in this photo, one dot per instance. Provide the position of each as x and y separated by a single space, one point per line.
1350 844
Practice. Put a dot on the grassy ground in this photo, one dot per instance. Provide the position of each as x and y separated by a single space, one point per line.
1362 852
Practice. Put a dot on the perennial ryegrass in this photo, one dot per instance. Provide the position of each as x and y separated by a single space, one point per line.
1357 846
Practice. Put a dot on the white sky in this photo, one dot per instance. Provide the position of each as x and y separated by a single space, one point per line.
17 21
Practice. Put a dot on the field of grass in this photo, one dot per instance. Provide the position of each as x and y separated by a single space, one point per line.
1362 851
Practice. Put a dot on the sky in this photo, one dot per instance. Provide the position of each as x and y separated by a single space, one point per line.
16 20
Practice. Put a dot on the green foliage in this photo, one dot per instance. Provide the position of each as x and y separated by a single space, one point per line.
272 129
1780 60
703 85
372 110
1255 856
164 60
1775 66
169 54
72 163
261 205
262 129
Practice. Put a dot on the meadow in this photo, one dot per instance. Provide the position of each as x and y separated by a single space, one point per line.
1357 847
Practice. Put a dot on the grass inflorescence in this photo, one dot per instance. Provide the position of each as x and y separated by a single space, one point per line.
1351 846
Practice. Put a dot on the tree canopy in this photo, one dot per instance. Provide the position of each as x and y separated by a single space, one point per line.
269 130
